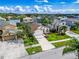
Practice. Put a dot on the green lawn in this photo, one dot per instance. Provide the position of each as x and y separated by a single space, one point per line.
55 36
28 41
76 31
60 44
34 50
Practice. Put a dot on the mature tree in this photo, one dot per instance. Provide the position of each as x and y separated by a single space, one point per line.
73 46
26 29
46 21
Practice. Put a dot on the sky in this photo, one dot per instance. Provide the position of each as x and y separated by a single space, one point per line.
39 6
32 2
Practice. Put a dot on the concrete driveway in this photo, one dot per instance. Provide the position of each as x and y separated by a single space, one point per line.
72 34
44 43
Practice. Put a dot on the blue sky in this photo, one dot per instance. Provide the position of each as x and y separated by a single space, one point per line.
32 2
39 6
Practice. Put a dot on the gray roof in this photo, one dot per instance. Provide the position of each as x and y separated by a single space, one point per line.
3 23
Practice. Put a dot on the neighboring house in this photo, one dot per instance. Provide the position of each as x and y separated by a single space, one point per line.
7 31
28 20
68 22
36 26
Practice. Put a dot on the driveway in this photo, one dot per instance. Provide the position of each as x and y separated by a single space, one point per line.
72 34
12 49
44 43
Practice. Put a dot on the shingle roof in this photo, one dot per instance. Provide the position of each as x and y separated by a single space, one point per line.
34 26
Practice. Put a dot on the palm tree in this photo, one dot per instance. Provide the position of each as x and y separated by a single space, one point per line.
73 46
62 29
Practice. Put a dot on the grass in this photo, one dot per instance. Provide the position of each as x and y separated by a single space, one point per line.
76 31
28 41
61 44
55 36
34 50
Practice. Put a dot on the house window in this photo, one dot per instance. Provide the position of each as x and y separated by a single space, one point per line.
63 23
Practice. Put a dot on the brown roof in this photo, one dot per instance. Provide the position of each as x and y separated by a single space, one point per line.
34 26
11 26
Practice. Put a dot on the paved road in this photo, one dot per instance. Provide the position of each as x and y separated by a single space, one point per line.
12 49
15 50
51 54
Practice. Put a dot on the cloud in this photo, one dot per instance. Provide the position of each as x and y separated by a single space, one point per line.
77 1
41 0
36 9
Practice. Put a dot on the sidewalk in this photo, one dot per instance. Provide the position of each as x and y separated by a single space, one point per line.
49 42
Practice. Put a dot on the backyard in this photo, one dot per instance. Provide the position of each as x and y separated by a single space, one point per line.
56 36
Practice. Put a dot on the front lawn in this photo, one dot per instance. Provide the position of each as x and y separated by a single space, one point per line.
28 41
76 31
55 36
34 50
60 44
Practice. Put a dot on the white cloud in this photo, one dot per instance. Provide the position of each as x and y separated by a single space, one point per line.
36 9
41 0
77 1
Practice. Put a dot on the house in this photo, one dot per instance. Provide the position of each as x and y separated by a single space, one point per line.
28 20
68 22
7 31
36 26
